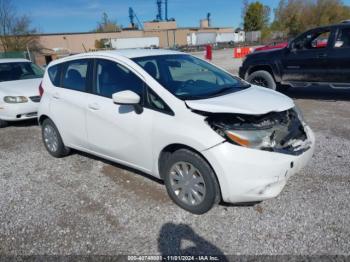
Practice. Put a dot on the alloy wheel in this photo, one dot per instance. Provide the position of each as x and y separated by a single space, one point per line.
259 81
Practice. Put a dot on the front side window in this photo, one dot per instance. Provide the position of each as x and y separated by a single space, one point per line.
190 78
313 40
112 78
75 75
19 71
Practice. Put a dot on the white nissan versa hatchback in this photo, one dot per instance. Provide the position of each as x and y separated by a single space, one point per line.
209 135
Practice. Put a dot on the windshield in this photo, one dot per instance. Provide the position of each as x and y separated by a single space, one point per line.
19 71
190 78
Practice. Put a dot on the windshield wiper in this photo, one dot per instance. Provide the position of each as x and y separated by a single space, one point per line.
190 97
223 90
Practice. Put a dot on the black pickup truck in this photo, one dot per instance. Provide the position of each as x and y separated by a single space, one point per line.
320 56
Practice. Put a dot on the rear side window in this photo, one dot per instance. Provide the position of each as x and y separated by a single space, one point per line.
112 78
55 74
343 38
75 75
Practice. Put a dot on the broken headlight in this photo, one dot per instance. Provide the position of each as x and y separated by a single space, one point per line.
276 131
252 138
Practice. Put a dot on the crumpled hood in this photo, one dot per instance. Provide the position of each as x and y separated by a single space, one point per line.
252 101
27 87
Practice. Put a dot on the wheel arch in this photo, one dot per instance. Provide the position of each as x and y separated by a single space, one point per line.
169 149
42 118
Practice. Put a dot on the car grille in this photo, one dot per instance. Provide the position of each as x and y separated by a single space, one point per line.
35 99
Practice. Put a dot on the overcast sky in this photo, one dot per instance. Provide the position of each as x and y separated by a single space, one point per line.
82 15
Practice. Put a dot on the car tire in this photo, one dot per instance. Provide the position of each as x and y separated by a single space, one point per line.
193 186
52 139
3 123
262 78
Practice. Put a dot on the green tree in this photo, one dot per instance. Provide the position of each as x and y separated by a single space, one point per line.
295 16
256 17
106 25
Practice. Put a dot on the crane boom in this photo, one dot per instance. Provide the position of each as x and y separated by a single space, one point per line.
132 16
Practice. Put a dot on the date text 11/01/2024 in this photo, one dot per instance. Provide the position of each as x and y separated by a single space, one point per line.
173 258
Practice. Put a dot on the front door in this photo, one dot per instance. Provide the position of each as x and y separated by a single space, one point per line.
306 59
118 131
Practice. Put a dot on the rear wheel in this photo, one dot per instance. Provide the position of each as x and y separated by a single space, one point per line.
262 78
190 182
52 140
3 123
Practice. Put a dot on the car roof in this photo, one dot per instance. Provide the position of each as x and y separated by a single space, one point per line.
127 53
344 24
13 60
133 53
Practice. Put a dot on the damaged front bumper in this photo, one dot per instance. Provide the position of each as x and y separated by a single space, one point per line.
281 132
248 175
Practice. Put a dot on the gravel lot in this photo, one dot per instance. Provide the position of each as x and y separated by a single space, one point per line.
85 205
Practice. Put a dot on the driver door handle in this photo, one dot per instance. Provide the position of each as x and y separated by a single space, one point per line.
94 106
322 55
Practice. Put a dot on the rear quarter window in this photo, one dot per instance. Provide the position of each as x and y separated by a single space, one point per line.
54 73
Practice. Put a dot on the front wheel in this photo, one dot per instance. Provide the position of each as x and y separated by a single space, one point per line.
191 182
52 140
262 78
3 123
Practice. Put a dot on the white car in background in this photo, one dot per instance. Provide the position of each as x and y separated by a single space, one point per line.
208 134
19 90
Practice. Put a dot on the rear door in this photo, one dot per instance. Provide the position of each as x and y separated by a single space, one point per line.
306 60
68 102
339 58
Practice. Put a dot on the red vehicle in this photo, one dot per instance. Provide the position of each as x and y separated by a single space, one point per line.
272 46
319 44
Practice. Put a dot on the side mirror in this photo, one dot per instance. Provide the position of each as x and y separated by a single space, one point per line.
128 97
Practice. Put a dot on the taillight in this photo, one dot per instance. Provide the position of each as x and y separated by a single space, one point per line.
41 89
